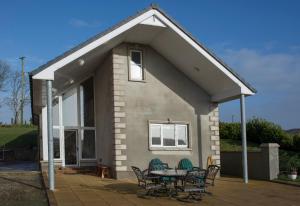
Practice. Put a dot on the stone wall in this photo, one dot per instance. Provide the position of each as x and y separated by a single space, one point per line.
263 164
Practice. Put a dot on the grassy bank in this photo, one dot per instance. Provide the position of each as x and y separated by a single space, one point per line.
18 137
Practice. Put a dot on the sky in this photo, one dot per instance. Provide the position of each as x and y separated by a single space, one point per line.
259 39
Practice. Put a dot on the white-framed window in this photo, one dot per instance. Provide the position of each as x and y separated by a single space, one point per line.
168 135
87 119
136 71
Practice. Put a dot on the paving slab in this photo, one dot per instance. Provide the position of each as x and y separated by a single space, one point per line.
83 189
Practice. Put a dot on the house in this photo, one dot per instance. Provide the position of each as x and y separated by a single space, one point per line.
143 89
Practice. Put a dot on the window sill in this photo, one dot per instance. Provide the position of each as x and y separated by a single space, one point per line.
141 81
169 149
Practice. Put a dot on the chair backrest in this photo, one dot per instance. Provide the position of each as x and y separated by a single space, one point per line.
196 178
156 164
155 161
185 164
139 174
212 172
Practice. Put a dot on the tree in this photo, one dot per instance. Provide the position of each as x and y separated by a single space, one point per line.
14 100
4 74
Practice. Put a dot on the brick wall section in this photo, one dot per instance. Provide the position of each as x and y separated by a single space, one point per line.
214 133
119 114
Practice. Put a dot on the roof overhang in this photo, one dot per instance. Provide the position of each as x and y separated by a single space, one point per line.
154 28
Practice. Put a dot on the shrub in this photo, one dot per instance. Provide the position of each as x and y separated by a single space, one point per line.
263 131
296 142
230 131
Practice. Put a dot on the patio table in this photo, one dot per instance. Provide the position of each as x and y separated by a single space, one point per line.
171 173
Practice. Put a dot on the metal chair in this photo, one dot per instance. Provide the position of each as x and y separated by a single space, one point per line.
212 172
157 161
155 165
186 164
148 183
194 184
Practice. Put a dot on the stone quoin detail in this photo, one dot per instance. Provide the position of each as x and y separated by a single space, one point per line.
214 133
119 114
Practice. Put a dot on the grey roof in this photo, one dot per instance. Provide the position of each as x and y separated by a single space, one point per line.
152 6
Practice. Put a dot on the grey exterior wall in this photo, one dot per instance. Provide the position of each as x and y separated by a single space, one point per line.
104 110
261 165
165 94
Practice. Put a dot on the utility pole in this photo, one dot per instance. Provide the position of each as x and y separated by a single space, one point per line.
22 89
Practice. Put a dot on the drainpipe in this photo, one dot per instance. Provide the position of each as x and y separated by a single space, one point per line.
244 138
50 136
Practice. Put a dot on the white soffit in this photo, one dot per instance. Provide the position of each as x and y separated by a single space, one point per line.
152 17
153 21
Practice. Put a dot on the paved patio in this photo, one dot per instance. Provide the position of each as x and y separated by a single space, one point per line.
79 189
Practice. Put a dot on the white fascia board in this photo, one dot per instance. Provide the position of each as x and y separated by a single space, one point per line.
224 96
244 88
48 73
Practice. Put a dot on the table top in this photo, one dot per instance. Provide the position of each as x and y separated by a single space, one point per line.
170 172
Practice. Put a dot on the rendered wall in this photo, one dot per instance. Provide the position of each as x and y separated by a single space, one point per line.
103 106
165 94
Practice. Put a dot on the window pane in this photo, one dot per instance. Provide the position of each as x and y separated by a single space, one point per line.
136 72
88 102
88 144
136 57
55 112
182 134
56 143
69 105
155 135
169 135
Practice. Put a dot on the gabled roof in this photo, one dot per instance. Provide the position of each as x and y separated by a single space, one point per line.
47 70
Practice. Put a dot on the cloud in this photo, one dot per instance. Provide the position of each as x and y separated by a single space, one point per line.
79 23
276 76
268 71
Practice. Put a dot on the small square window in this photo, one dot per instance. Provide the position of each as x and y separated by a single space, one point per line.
136 66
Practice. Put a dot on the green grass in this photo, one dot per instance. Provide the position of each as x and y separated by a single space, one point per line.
285 178
18 137
229 145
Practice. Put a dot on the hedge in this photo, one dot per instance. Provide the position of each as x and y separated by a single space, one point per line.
261 131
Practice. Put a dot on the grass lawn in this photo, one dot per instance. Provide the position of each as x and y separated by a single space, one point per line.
18 137
284 178
229 145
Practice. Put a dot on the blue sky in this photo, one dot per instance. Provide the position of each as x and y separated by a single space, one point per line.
259 39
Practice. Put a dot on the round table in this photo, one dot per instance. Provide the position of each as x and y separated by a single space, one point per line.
171 173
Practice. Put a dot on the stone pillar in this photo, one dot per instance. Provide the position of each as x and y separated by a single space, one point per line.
214 133
271 156
119 112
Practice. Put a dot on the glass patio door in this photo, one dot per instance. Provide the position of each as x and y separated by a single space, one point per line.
71 148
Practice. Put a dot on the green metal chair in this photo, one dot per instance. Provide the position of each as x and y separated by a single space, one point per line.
186 164
155 165
194 185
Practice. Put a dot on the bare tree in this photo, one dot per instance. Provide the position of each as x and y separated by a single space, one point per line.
4 74
14 100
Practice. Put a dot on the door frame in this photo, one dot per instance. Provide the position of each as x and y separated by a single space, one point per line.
77 148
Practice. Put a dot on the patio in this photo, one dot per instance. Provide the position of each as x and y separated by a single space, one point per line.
87 189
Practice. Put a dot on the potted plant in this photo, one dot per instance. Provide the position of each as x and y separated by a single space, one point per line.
293 169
